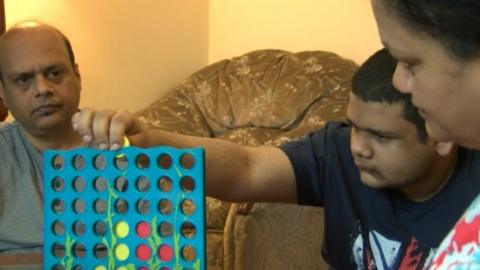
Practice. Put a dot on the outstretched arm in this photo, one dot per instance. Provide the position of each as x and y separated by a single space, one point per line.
233 172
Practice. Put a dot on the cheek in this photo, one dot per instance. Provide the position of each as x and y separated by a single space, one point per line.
437 100
437 132
14 101
71 93
410 163
391 166
395 163
432 89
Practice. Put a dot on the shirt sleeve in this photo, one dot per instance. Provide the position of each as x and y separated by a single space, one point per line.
461 246
311 159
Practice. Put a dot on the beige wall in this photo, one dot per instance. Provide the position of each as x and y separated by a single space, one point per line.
346 27
129 52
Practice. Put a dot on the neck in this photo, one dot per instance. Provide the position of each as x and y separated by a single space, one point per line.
433 181
58 139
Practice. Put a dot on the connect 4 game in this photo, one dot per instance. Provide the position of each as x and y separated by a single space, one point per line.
128 209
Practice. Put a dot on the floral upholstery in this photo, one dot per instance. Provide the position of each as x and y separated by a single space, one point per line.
265 97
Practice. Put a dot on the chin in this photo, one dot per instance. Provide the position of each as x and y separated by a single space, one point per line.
371 181
437 133
467 137
52 122
474 145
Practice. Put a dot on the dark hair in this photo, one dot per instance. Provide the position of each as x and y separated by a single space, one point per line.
373 83
454 23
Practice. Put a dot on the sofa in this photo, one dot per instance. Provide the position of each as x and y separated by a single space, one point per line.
3 111
264 97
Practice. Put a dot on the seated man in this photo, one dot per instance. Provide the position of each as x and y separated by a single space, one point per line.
40 85
384 184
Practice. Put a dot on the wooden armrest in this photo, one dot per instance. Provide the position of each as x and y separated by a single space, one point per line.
29 258
3 111
244 208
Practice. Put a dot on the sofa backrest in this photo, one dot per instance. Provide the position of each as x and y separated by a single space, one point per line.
267 89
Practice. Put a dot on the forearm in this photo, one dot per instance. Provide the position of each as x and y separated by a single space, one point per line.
227 165
234 172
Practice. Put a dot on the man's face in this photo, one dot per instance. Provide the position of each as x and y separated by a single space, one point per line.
445 89
385 146
40 87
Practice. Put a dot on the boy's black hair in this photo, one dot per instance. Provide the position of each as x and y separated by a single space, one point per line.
373 83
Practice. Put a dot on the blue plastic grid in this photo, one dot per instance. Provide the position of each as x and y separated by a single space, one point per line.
97 225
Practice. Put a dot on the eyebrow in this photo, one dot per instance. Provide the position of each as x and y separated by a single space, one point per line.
398 53
389 48
371 130
43 69
13 75
52 67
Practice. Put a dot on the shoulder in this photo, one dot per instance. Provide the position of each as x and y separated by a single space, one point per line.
338 129
10 135
334 137
7 129
8 126
334 133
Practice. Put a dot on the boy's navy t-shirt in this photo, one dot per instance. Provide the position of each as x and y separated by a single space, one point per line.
368 228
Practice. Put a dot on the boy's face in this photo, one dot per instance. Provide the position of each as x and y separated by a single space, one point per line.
385 146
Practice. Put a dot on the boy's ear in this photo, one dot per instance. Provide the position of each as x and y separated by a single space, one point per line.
445 148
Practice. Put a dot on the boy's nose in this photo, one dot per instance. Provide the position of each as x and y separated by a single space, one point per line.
360 146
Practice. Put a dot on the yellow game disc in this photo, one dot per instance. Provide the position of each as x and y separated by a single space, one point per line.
122 229
126 143
122 252
100 267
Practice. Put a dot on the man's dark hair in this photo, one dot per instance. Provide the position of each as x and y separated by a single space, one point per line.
373 83
454 23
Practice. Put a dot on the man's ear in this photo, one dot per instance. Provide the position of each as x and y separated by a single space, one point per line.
445 148
1 89
76 71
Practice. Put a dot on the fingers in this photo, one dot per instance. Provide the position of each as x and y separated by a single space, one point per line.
120 126
82 123
101 129
105 129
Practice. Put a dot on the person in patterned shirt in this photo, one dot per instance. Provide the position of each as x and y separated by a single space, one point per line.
437 45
